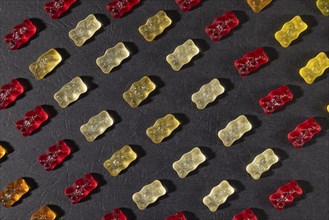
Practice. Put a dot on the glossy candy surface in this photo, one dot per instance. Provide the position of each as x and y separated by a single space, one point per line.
32 120
285 195
148 194
186 5
276 99
314 68
177 216
117 8
117 214
44 213
13 192
258 5
20 34
222 26
246 214
304 132
182 55
45 63
9 93
54 155
81 188
251 62
323 6
56 8
2 151
218 195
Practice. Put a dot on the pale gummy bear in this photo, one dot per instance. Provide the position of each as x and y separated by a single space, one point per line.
44 213
207 93
148 194
154 26
162 128
182 55
234 130
189 162
84 30
218 195
96 125
112 57
120 160
314 68
139 91
45 64
262 163
70 92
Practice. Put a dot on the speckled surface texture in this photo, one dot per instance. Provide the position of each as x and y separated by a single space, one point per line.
308 165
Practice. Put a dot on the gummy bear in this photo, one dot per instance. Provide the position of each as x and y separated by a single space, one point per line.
314 68
13 192
218 195
44 213
117 8
2 151
117 214
276 99
20 34
55 8
285 195
32 121
246 214
9 93
304 132
177 216
251 62
222 26
323 6
81 188
54 155
186 5
258 5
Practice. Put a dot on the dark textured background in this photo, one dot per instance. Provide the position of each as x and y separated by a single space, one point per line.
308 165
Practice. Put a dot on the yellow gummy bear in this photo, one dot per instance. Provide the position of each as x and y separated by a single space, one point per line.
2 151
314 68
45 63
327 108
323 6
290 31
44 213
258 5
218 195
13 192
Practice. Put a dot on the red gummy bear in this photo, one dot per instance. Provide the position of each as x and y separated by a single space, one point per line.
304 132
54 155
276 99
20 34
117 8
80 188
246 214
251 62
285 195
177 216
222 26
32 120
117 214
186 5
56 8
9 93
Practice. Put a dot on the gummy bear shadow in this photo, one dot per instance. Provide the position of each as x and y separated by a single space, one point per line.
238 187
100 182
27 87
129 213
88 80
311 23
40 25
105 21
306 187
272 55
228 85
210 154
140 154
255 122
203 47
32 186
9 149
260 213
282 156
190 215
183 119
159 84
169 186
324 124
116 120
58 210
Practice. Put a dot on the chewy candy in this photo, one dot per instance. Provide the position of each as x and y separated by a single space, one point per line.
55 8
258 5
276 99
262 163
189 162
84 30
120 160
314 68
290 31
20 34
162 128
32 120
117 214
45 64
44 213
327 108
285 195
117 8
207 93
251 62
2 151
54 155
182 55
96 125
112 57
218 195
177 216
234 130
304 132
246 214
186 5
139 91
81 188
154 26
222 26
148 194
13 192
323 6
70 92
9 93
